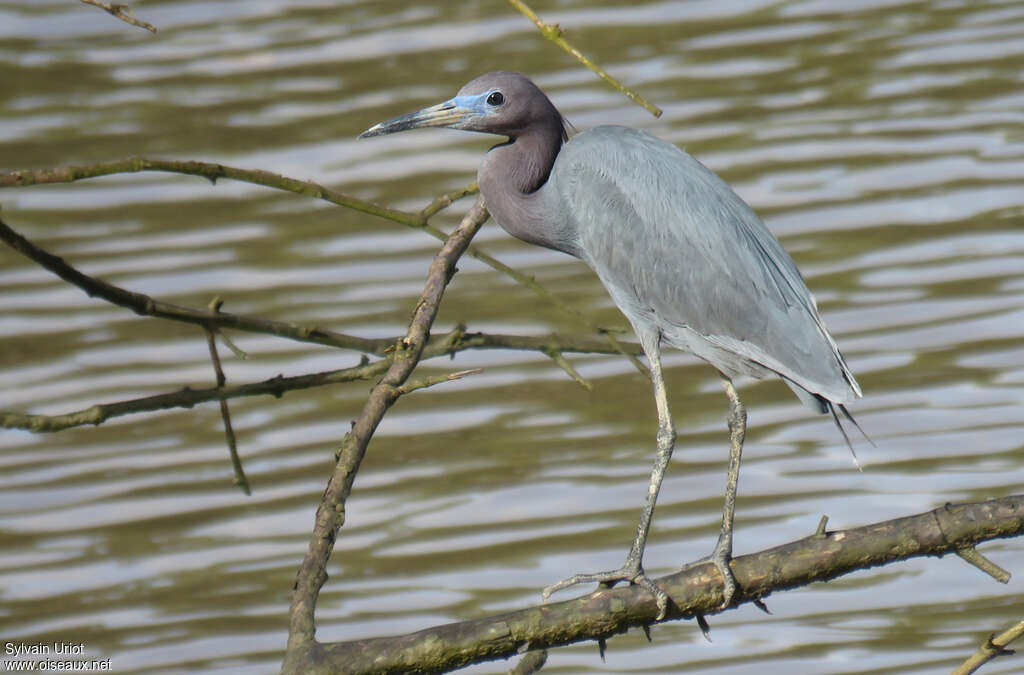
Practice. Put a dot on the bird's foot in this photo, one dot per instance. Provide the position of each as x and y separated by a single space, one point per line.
631 572
721 557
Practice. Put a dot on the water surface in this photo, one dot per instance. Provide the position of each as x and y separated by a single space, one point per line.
883 142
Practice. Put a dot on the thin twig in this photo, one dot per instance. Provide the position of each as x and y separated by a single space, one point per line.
187 398
121 12
212 172
235 349
564 364
145 305
994 646
553 32
970 555
431 381
531 283
447 199
225 413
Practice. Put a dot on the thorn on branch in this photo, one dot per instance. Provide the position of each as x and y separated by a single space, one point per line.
705 628
822 524
602 647
278 379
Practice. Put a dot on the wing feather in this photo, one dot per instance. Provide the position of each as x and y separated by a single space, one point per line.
682 254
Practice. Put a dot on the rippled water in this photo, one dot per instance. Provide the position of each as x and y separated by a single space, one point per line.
882 141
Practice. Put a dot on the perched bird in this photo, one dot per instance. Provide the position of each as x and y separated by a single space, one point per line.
684 258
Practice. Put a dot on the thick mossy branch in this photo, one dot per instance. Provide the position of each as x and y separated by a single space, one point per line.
694 591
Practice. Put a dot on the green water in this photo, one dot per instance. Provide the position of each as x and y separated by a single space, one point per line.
883 142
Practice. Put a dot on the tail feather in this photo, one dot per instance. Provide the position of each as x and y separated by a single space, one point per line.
820 404
846 413
839 425
829 406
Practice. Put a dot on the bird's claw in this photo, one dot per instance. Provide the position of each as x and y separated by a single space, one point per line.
634 575
721 559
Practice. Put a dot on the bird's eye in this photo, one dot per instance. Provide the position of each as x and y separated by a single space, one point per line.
496 98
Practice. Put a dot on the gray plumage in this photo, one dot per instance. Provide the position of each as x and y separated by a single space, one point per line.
684 258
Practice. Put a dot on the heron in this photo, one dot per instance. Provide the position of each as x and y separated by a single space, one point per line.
684 258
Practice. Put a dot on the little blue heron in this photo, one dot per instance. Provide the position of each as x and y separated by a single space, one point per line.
684 258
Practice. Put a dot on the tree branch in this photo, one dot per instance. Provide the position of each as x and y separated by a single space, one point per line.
694 591
212 319
330 515
188 397
995 645
553 32
212 172
121 12
241 480
145 305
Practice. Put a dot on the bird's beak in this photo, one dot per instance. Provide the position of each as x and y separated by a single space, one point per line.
452 113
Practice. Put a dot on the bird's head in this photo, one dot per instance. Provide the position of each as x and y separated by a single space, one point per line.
501 102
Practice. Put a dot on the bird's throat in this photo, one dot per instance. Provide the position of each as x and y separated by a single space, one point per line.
513 180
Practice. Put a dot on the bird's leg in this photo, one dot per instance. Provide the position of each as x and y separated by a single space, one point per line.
722 554
632 570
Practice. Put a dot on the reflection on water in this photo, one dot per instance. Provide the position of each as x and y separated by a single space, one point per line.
882 141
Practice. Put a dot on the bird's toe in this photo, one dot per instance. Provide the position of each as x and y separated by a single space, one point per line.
633 574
